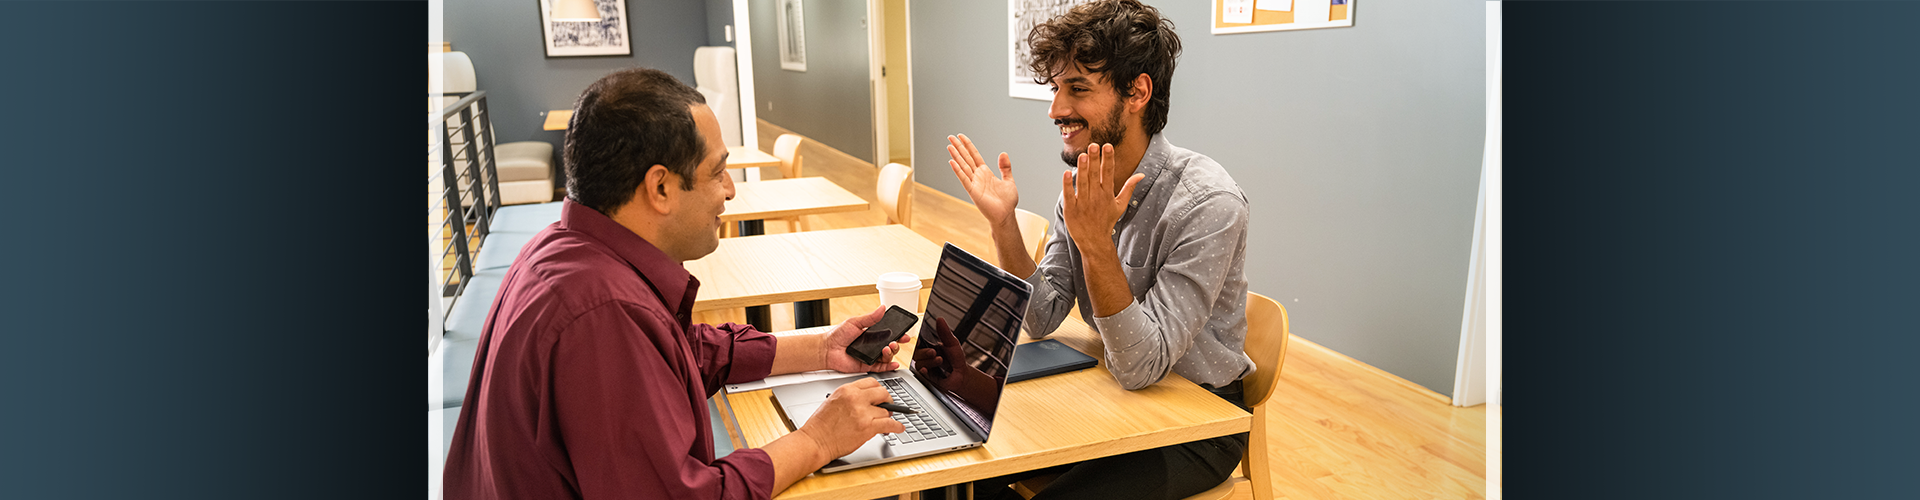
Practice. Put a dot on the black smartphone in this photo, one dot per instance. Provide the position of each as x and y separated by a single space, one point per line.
873 342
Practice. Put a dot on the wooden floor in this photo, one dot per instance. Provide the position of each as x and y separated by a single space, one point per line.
1343 430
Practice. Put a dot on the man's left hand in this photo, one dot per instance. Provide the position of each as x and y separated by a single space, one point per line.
1092 206
835 356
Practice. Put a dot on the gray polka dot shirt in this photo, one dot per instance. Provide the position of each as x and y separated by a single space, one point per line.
1182 244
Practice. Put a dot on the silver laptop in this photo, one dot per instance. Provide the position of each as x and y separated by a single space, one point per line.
961 357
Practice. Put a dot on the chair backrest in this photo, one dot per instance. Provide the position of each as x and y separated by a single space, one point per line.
1266 344
787 149
1033 229
894 190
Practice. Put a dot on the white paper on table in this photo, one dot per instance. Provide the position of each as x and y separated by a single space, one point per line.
1312 11
1279 5
788 379
1236 11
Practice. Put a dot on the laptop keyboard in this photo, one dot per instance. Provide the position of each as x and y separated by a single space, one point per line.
920 426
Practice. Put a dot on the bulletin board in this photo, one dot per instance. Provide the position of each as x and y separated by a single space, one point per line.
1248 16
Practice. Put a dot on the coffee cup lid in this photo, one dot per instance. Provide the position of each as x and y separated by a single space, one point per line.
899 280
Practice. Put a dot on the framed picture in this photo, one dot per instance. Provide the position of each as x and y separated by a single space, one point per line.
608 37
1022 16
792 23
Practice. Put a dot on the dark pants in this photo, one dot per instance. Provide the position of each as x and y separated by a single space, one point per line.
1171 472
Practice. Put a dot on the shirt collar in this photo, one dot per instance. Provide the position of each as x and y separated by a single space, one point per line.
1151 165
668 278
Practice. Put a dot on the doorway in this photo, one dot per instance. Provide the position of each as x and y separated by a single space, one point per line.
892 72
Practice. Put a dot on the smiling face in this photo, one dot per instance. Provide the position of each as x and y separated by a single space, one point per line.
694 224
1088 110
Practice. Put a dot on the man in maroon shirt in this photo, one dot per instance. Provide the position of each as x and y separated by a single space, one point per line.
589 380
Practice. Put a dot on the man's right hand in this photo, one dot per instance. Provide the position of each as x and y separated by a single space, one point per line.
996 197
849 418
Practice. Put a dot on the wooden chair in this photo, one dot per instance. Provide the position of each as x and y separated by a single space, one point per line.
1267 344
787 149
1033 228
894 191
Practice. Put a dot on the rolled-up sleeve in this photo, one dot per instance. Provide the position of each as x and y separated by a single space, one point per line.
621 406
1053 281
1145 339
731 353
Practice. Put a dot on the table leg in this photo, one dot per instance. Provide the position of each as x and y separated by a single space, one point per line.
812 313
760 317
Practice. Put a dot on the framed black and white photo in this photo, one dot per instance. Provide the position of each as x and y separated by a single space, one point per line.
607 37
792 24
1022 16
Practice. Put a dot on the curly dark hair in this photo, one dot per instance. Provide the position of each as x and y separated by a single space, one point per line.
1120 39
622 126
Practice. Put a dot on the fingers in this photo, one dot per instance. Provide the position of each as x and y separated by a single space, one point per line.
1066 184
1006 167
1126 191
972 151
890 426
870 318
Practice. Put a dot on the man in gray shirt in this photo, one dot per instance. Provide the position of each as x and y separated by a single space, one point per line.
1151 242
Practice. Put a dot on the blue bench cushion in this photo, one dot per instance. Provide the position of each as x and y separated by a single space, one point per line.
453 363
500 249
469 313
721 444
525 218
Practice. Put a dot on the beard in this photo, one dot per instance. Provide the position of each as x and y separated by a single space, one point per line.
1111 133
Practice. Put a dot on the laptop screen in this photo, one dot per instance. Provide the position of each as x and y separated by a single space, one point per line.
967 335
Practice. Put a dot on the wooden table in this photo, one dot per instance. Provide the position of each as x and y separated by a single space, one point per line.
810 265
1048 421
738 156
783 198
558 119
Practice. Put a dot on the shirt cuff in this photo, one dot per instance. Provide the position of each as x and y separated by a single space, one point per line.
753 357
754 467
1122 329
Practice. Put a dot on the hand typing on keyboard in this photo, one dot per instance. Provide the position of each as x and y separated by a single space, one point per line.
849 418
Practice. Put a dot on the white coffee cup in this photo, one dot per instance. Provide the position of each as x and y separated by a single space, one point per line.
900 289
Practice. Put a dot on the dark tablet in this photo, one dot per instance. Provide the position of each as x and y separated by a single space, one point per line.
1047 357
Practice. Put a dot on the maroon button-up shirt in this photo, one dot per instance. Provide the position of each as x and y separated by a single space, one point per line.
589 382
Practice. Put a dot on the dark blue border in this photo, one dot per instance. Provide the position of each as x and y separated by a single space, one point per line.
1712 240
205 219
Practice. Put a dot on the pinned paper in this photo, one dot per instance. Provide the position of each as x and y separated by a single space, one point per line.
1312 11
1237 11
1279 5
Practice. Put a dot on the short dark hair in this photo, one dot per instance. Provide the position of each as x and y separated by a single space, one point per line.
1121 39
623 125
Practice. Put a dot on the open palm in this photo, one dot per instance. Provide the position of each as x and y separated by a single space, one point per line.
995 196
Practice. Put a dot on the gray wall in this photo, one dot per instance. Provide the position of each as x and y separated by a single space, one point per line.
1358 147
719 15
509 61
830 102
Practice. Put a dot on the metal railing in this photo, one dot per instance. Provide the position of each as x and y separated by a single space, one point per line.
463 187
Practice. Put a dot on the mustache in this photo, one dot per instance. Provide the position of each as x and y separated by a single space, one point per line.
1065 121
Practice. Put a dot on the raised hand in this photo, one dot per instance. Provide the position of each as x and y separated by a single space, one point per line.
996 197
1092 206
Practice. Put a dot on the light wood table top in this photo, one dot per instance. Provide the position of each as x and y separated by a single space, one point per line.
809 265
1048 421
558 119
745 157
783 198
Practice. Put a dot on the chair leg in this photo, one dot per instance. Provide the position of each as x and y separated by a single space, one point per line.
1259 459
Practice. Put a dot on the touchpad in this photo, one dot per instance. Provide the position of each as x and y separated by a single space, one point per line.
798 415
